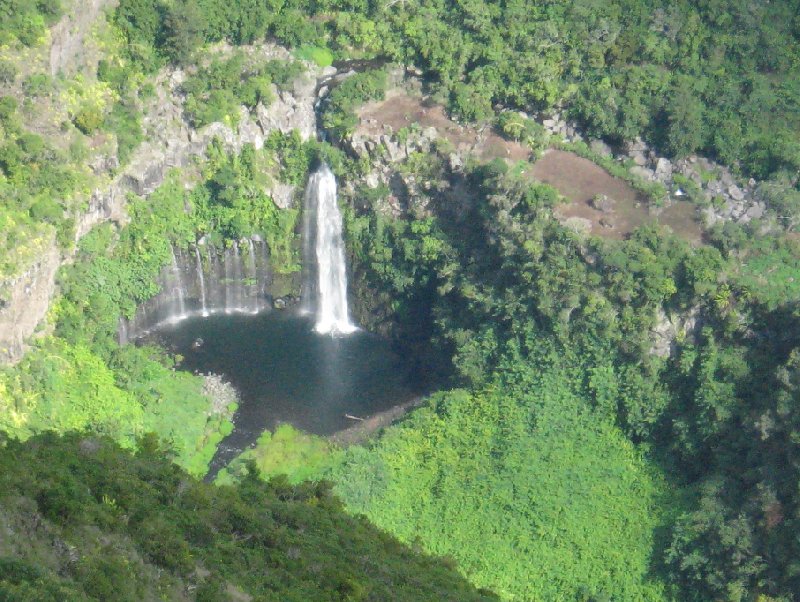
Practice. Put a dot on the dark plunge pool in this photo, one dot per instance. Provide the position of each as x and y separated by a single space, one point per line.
284 372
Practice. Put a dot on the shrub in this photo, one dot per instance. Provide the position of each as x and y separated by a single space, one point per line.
8 72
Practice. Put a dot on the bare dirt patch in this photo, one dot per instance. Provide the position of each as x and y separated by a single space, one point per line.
579 180
401 110
576 178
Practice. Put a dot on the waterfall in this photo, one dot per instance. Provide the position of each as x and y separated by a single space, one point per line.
227 283
238 296
202 281
322 223
178 288
252 275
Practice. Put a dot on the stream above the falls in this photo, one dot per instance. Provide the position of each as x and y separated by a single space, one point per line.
284 372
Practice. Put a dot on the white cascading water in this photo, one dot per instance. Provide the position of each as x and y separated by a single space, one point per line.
178 288
327 297
199 269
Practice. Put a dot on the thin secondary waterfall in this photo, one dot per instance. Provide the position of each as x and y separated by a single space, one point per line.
325 295
227 283
201 278
178 288
206 280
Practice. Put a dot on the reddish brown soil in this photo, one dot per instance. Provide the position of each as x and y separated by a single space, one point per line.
400 110
579 179
576 178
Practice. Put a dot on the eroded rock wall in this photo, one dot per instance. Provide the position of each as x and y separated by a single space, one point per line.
171 142
25 302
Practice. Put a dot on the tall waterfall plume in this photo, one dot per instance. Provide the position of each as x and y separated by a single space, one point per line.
325 290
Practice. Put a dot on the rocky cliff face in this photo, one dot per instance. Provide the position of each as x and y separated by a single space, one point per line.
71 49
26 300
170 142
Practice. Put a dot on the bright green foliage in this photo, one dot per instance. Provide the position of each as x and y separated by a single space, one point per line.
136 527
287 451
322 57
63 387
720 410
82 377
339 117
770 271
536 496
216 92
26 20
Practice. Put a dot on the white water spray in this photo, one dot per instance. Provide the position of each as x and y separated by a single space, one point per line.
178 288
326 294
202 281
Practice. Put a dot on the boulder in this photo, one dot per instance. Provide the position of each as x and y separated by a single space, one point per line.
455 161
736 193
394 150
642 172
304 85
726 178
637 145
282 195
663 169
600 148
602 203
756 211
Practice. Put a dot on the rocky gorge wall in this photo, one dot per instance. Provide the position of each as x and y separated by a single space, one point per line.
25 302
170 142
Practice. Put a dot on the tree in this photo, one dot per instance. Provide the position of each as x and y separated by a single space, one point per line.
684 117
184 30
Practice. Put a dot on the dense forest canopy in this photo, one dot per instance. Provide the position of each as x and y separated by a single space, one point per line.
714 77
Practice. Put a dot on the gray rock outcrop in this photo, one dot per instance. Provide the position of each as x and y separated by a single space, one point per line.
68 37
170 142
668 329
26 299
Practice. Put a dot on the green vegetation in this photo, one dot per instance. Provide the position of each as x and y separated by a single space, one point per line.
135 527
25 20
535 495
618 419
339 116
295 454
722 80
499 296
81 378
216 92
232 204
322 57
37 185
